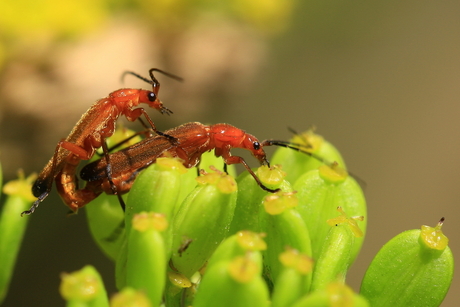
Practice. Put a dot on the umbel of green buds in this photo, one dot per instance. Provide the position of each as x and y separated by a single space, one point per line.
415 268
214 241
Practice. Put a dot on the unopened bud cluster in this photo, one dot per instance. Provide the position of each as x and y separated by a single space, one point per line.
216 240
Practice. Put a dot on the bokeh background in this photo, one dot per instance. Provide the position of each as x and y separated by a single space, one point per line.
379 79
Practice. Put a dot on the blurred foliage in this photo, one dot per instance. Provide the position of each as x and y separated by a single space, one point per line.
23 23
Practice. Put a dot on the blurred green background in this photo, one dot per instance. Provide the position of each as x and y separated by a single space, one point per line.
380 80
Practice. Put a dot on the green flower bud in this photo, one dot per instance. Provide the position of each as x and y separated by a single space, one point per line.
250 196
106 224
297 163
161 187
244 244
179 280
146 257
83 288
335 294
13 226
240 244
415 268
156 189
335 256
320 193
129 297
120 263
284 226
208 162
180 290
294 279
236 282
204 218
105 215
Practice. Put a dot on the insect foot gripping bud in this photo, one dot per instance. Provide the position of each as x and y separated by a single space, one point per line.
250 196
83 288
235 282
320 192
415 268
335 294
297 163
294 279
335 257
204 219
13 226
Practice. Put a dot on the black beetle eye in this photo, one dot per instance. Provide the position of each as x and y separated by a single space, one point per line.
256 145
151 96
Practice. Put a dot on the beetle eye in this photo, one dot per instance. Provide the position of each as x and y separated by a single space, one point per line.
151 96
256 145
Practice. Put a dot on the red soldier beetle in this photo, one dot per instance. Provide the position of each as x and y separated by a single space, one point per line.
193 139
97 124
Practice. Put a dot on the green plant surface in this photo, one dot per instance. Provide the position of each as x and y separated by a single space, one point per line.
211 240
320 193
336 253
83 288
297 163
415 268
147 273
13 226
204 218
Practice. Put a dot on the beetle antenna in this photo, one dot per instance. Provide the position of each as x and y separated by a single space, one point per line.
301 148
152 80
